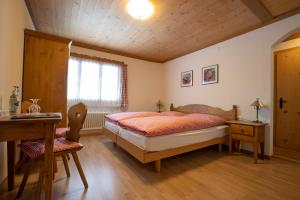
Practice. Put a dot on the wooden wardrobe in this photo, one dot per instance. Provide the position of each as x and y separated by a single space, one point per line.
45 71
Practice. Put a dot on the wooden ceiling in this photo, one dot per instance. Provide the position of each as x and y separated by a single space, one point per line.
175 29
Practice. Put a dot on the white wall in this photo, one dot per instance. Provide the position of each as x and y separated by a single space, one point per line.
14 18
145 79
245 73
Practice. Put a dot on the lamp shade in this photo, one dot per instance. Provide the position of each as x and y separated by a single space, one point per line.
140 9
257 103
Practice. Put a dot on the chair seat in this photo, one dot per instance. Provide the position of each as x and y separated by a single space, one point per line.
37 148
60 132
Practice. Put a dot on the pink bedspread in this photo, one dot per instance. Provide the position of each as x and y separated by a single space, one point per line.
117 117
163 125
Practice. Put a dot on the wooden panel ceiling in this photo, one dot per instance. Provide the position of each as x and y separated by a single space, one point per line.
174 30
278 7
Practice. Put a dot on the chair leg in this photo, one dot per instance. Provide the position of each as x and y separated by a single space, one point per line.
78 165
64 157
21 162
25 178
40 182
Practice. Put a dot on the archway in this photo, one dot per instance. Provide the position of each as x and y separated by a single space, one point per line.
286 62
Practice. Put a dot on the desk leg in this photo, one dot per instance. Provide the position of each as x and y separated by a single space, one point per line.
11 157
49 139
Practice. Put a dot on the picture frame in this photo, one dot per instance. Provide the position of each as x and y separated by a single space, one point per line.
187 78
210 74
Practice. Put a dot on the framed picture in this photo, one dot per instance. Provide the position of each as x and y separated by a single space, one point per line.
187 78
210 74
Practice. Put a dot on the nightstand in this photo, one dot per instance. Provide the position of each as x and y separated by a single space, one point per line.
249 132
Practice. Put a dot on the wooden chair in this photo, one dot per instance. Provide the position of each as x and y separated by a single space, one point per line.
59 132
34 150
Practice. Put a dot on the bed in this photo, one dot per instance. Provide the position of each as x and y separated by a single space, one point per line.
154 149
112 124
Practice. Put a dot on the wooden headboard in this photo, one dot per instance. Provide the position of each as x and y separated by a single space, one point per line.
205 109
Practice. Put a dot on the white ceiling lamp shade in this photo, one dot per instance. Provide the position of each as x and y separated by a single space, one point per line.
140 9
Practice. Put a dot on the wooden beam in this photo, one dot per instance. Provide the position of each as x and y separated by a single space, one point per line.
259 10
120 53
286 15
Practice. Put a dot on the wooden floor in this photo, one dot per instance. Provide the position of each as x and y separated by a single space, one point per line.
205 174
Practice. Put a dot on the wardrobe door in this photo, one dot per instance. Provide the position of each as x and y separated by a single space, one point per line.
45 71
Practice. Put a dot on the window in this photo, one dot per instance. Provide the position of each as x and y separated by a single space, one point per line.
102 85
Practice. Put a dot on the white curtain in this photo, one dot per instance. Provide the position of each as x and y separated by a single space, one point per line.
98 84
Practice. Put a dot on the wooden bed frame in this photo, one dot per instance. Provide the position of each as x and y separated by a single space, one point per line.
156 156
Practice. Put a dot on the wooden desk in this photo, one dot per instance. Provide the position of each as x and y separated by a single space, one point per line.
29 129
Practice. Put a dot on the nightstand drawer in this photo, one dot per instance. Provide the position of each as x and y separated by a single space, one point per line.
242 129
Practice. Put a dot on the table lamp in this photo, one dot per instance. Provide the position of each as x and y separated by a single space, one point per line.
159 105
257 104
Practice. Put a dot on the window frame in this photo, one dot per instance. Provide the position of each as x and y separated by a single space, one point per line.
124 81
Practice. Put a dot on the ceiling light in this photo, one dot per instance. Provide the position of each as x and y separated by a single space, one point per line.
140 9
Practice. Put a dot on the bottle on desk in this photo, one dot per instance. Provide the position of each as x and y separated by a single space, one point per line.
13 101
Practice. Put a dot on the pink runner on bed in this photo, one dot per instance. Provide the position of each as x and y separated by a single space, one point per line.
117 117
164 125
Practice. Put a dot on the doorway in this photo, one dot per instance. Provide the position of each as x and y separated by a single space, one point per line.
287 103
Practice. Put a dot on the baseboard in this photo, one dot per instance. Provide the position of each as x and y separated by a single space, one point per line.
286 153
286 158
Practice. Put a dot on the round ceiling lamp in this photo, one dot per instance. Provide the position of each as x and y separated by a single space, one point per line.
140 9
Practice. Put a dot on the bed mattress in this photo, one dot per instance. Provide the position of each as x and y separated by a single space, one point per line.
159 143
112 127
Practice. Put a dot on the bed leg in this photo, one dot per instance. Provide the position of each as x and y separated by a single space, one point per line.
220 147
157 165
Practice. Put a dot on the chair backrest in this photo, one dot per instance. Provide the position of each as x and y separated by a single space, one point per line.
25 106
76 116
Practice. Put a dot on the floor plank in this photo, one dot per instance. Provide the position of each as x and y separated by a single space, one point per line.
113 174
